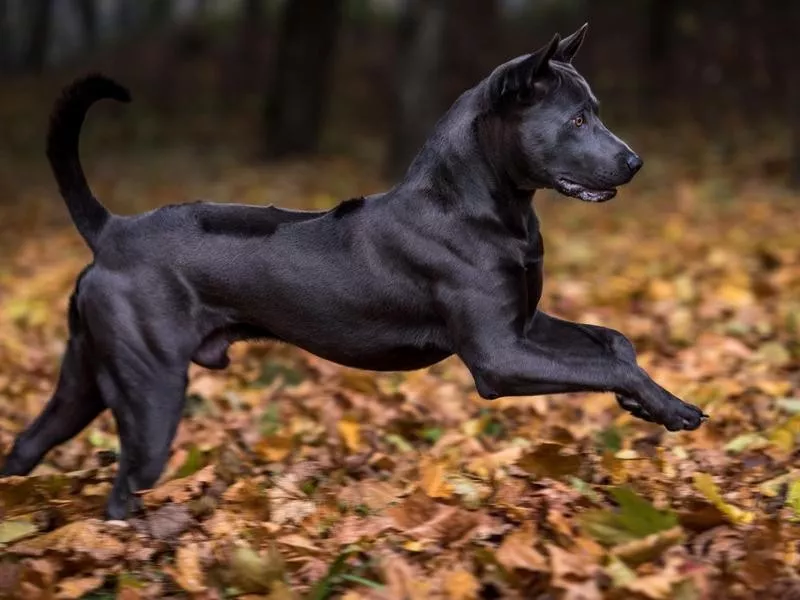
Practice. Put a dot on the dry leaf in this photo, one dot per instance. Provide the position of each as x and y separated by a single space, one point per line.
188 572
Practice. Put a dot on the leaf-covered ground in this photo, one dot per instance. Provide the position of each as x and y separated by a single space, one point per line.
295 478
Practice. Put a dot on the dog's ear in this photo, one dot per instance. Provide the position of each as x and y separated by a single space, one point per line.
518 80
569 46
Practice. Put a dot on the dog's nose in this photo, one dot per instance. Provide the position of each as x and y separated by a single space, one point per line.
634 163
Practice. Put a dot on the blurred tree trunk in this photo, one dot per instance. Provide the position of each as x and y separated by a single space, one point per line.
159 13
125 18
6 59
793 84
444 47
299 86
252 29
417 92
242 60
470 45
87 10
39 26
661 32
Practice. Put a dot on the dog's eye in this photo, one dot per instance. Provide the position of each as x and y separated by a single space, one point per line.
578 121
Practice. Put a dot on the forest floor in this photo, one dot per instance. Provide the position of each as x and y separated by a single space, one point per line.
294 478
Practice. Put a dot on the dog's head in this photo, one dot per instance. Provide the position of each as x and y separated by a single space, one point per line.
557 136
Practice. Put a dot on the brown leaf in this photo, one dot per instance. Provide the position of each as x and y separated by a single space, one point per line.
288 503
517 551
567 568
353 529
550 459
188 571
77 587
181 490
375 495
648 548
81 537
415 510
403 580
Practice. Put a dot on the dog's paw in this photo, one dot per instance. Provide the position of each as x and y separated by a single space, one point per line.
676 415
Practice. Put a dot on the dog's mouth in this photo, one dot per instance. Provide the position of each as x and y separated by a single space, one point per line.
577 190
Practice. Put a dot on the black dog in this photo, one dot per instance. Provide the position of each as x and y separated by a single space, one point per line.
447 262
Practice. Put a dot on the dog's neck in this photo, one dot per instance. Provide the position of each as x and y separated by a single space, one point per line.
472 158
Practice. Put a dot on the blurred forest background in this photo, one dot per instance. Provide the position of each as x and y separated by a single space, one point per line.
368 78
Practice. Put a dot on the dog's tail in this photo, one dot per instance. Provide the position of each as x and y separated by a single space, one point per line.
88 214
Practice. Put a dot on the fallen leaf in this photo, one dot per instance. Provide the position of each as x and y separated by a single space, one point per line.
648 548
704 484
180 490
252 572
81 537
461 585
72 588
13 530
550 459
517 552
350 431
634 519
434 479
188 572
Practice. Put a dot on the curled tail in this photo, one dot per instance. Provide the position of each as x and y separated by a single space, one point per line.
88 214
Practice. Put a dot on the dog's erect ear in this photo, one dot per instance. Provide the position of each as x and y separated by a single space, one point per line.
569 46
517 80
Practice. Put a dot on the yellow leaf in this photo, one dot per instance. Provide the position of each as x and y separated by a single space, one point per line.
433 481
473 427
350 430
734 295
461 585
704 484
274 448
413 546
784 435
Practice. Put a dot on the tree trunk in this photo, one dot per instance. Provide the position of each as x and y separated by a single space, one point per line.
417 90
40 21
299 87
793 95
661 32
6 59
87 10
159 13
436 61
470 45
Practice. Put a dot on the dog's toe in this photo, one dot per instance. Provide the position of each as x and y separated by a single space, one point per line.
678 416
685 418
634 407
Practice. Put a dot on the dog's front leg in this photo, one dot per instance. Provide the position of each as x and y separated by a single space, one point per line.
551 356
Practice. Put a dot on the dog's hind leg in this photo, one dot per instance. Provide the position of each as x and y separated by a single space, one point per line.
147 407
74 404
145 388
